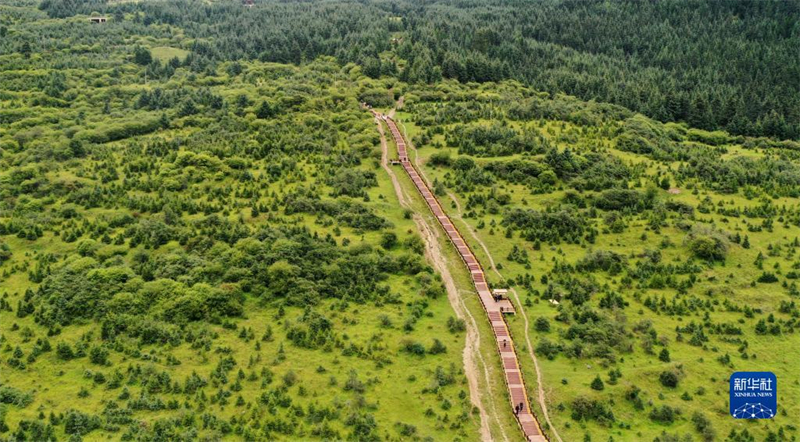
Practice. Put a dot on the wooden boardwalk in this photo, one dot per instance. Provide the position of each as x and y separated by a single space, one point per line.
495 309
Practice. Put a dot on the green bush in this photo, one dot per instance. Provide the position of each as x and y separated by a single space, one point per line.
709 248
10 395
767 278
541 324
668 379
584 408
664 414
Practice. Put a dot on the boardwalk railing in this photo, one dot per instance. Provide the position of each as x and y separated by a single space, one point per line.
494 308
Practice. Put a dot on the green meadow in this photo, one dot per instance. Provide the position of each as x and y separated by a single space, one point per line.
200 238
726 296
193 235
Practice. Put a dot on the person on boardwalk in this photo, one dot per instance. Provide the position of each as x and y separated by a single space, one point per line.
494 310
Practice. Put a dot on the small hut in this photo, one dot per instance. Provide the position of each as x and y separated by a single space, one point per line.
500 294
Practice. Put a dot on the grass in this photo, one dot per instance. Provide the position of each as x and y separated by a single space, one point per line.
166 53
567 378
398 392
494 394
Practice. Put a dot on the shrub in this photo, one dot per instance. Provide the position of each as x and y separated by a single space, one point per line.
352 182
119 131
413 347
10 395
714 138
562 225
622 199
98 355
388 240
761 327
265 110
668 379
767 278
290 378
703 426
437 347
542 324
376 98
707 248
64 351
456 325
548 349
664 414
584 408
5 252
463 163
142 56
441 159
601 260
79 423
708 244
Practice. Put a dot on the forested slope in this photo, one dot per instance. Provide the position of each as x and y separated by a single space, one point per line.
201 249
730 65
197 240
652 261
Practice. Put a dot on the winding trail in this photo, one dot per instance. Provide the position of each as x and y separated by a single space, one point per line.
495 308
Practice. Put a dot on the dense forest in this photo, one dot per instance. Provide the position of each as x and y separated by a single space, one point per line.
201 236
715 65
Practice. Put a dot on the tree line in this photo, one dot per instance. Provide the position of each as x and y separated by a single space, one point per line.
718 65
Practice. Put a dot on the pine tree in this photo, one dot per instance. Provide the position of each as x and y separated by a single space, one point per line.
142 56
188 108
597 384
25 49
265 111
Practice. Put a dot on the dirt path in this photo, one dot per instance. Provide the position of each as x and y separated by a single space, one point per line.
398 189
438 255
397 107
540 386
539 377
471 354
435 254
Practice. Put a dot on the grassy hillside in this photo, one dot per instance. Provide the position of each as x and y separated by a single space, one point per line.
196 243
657 258
215 255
